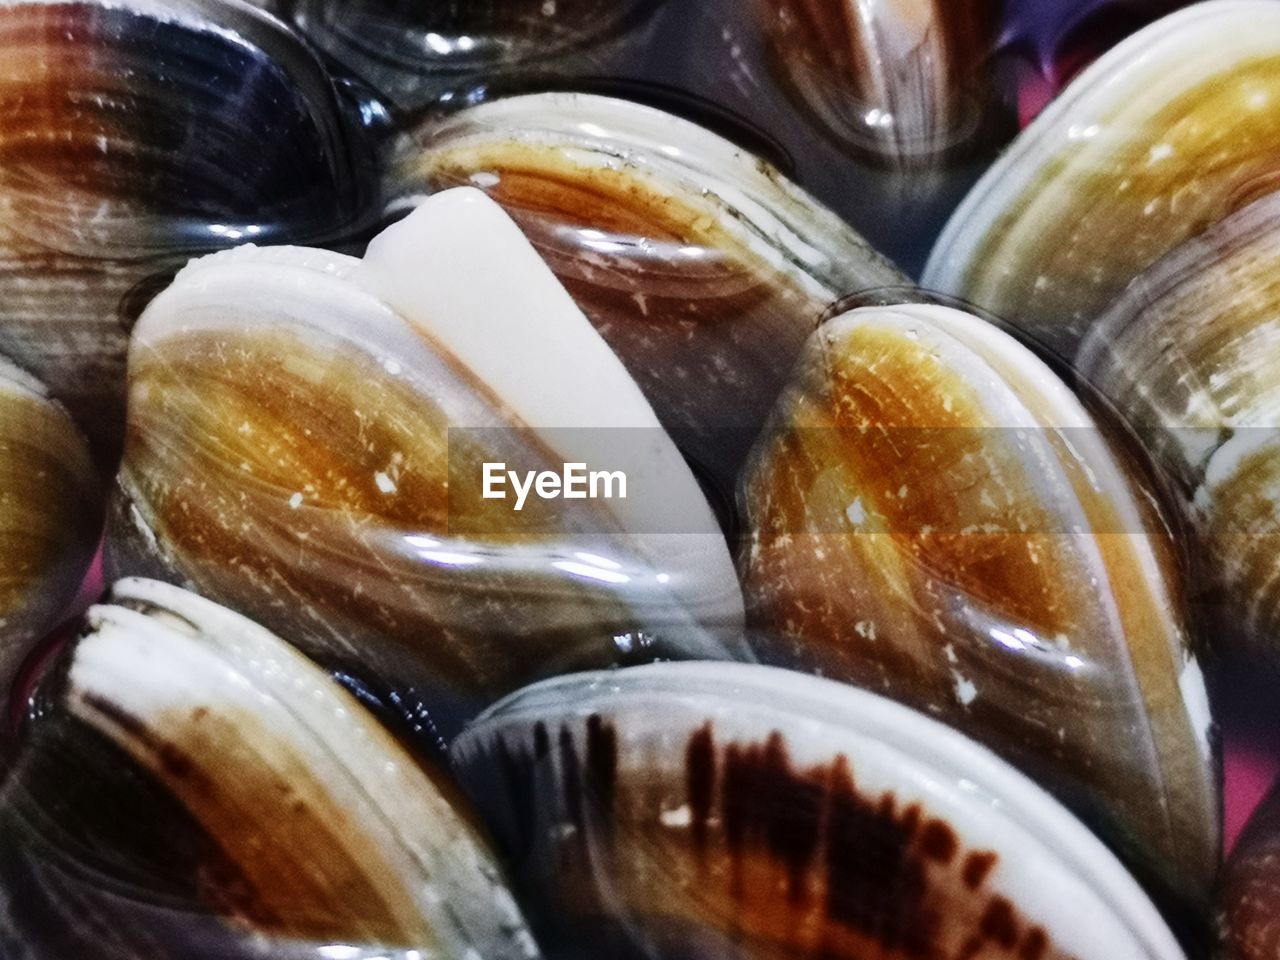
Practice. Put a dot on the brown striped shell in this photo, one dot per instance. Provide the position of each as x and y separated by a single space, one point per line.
701 811
137 133
907 82
1190 353
306 439
1167 133
935 517
192 784
703 268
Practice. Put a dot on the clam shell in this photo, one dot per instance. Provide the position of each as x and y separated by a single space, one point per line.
934 516
316 825
51 507
905 81
1251 888
305 438
136 133
1190 353
704 268
1166 134
414 52
699 810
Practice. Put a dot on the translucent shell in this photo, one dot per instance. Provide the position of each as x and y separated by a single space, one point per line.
1190 353
703 267
306 440
1167 133
51 506
413 52
934 516
733 811
136 133
187 770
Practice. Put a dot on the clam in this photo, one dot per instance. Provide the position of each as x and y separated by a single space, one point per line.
1166 134
1251 888
415 53
307 443
1189 352
192 784
905 81
703 267
136 133
731 811
50 516
934 516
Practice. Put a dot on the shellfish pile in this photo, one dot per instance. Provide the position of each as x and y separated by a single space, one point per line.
646 480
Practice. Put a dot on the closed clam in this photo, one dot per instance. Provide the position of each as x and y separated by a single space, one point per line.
733 811
1190 353
1169 132
306 443
934 516
136 133
904 81
415 53
703 267
51 503
190 786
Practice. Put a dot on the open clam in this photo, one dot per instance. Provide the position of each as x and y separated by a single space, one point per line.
1190 353
136 133
934 516
51 506
703 267
307 442
904 81
1166 134
194 785
730 811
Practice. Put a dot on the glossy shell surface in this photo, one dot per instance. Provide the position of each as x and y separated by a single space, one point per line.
51 507
699 810
136 134
306 437
190 781
934 516
1167 133
702 266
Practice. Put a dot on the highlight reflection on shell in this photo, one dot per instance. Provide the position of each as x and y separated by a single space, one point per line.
701 266
906 81
193 784
414 52
51 503
306 434
731 812
1166 134
935 517
136 133
1190 352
